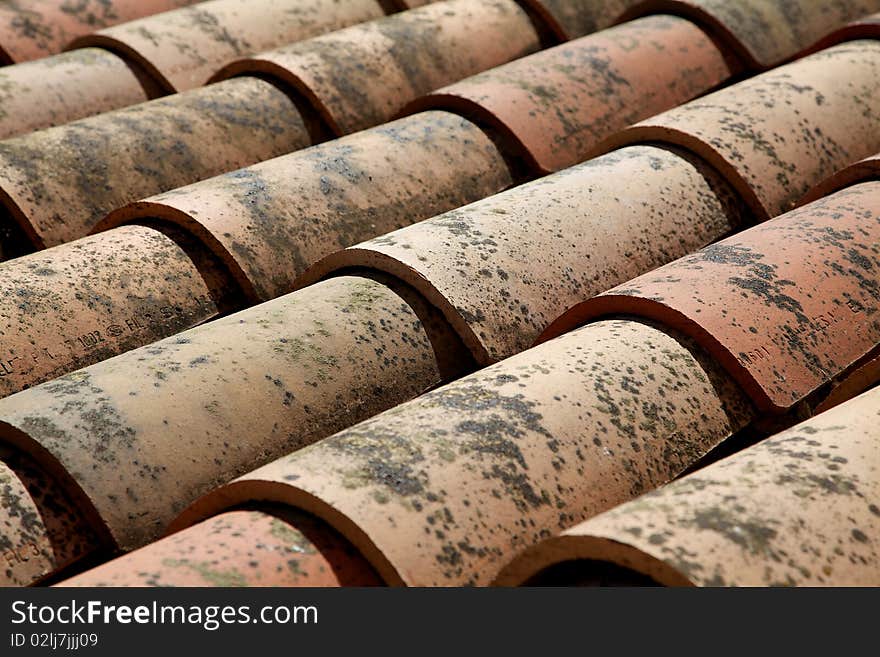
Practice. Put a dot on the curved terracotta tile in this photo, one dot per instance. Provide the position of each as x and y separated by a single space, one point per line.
82 302
25 546
858 379
763 33
778 134
569 19
445 489
41 529
66 87
32 29
863 27
183 48
240 548
555 106
788 307
57 183
799 509
364 75
145 433
862 171
272 220
595 225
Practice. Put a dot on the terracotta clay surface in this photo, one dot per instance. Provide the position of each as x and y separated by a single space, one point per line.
83 302
364 75
32 29
145 433
778 134
65 87
272 220
861 171
41 529
24 541
865 27
240 548
787 307
57 183
477 264
444 490
182 49
556 105
799 509
569 19
763 33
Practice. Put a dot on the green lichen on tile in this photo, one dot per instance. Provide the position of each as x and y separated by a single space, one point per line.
308 354
205 570
364 295
292 538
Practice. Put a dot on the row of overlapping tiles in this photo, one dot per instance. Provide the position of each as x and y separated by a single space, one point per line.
448 488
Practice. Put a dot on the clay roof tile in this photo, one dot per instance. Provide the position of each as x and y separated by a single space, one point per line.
43 529
73 85
776 135
570 19
171 420
788 307
240 548
596 224
444 490
58 182
182 49
556 105
808 493
32 29
763 33
271 221
364 75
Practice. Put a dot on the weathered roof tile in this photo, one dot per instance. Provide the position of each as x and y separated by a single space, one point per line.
569 19
799 509
445 489
72 85
364 75
240 548
787 307
57 183
763 33
778 134
42 529
595 225
271 221
182 49
556 105
168 422
74 305
31 29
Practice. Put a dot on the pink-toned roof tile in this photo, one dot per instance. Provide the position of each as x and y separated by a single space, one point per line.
799 509
182 49
764 33
778 134
788 307
170 421
364 75
446 489
271 221
240 548
66 87
555 106
31 29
